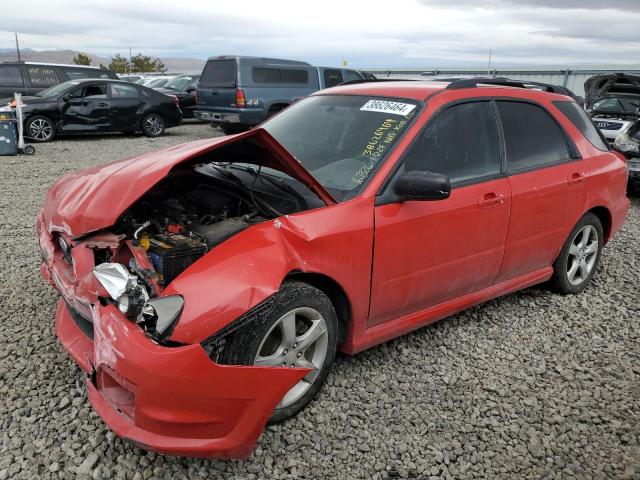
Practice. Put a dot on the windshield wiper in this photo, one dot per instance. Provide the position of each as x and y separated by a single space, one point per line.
235 179
278 183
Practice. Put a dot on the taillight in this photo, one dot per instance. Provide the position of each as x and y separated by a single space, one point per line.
240 101
175 100
197 95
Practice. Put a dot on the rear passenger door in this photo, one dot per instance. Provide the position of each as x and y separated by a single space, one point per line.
547 184
127 105
430 252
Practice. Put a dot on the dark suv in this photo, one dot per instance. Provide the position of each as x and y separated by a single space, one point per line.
30 77
240 92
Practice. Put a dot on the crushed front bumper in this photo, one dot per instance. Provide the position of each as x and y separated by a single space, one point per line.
173 400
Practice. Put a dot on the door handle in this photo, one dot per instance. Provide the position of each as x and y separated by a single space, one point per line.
103 104
576 178
141 102
490 200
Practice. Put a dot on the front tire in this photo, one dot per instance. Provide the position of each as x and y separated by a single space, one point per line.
301 331
233 128
153 125
40 129
579 258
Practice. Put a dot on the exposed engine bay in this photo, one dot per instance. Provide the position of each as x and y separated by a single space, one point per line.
176 223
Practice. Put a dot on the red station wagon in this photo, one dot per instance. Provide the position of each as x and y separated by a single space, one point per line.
206 287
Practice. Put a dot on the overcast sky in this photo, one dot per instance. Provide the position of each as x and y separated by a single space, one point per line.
369 33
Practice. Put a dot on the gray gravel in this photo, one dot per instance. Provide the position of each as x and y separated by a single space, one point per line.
534 385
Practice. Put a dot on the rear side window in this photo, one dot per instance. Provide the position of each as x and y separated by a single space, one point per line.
10 76
279 75
294 76
532 136
122 90
42 76
461 142
219 73
582 122
266 75
81 73
332 78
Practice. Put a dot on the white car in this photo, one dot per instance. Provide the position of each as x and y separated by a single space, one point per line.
613 102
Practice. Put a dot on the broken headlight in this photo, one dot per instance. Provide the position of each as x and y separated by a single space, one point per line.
156 315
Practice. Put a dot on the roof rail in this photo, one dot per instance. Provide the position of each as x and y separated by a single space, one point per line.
506 82
376 80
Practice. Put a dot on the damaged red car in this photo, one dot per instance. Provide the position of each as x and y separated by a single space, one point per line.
206 288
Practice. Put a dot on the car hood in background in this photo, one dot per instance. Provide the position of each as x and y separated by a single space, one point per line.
611 85
92 199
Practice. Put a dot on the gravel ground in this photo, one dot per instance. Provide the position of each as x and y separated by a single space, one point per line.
534 385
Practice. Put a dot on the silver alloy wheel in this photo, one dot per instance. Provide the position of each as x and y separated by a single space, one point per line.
40 129
582 255
153 124
298 339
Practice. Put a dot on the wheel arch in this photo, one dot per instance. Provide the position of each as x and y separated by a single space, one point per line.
334 291
604 215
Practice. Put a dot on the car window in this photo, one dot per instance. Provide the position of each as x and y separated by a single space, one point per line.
89 91
10 76
178 83
42 76
219 73
532 136
266 75
294 75
582 122
122 90
351 75
461 142
332 78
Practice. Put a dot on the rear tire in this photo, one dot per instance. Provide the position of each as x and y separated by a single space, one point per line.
153 125
579 258
40 129
302 330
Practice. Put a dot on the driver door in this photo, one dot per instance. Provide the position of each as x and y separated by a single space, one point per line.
86 108
430 252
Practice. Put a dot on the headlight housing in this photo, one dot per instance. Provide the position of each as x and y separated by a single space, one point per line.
156 315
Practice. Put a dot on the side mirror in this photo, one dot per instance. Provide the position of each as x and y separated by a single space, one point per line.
422 186
65 99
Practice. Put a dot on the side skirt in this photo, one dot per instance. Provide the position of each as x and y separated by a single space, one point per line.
394 328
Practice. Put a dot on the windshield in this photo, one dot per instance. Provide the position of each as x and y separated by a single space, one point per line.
341 139
179 83
617 105
56 89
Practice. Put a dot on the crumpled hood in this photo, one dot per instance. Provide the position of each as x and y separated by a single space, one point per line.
615 84
93 199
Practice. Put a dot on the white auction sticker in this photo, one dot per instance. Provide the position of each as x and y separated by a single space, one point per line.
386 106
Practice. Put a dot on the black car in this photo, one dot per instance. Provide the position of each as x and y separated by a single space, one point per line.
30 78
80 106
184 87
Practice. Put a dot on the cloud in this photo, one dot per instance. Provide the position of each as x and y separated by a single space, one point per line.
377 33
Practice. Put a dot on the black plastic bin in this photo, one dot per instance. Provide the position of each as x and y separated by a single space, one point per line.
8 134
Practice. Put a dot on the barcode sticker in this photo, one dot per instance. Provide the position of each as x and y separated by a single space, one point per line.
386 106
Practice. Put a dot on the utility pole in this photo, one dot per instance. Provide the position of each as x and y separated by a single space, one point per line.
18 47
129 59
489 64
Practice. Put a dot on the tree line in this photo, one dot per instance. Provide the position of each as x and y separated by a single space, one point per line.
119 64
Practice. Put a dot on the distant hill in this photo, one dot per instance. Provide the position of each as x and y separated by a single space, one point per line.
175 65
